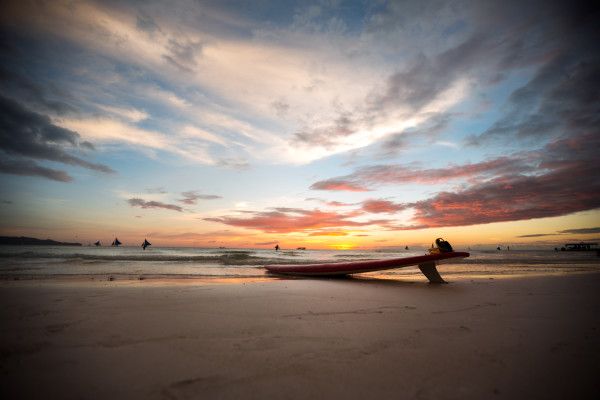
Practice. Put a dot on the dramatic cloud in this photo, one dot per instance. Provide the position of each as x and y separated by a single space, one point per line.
567 105
432 113
35 94
287 220
562 178
372 88
423 91
568 181
135 202
26 136
367 178
502 200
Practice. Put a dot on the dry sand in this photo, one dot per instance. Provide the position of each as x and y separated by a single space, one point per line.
509 338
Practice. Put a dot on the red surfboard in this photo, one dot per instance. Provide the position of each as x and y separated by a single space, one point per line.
426 264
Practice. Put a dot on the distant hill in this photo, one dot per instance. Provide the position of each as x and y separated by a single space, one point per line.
29 241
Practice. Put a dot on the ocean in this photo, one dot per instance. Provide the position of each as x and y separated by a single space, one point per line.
236 265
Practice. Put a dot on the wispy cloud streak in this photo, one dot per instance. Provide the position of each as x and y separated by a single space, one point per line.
287 220
136 202
192 197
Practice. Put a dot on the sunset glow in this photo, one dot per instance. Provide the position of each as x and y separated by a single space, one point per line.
339 124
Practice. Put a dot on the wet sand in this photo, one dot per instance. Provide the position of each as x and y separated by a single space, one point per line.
502 338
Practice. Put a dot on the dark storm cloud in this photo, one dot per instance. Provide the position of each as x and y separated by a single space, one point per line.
26 136
60 92
561 99
36 94
30 168
568 104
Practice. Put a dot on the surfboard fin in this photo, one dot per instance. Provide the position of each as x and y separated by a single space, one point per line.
429 270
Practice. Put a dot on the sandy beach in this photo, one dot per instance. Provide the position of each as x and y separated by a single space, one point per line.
474 338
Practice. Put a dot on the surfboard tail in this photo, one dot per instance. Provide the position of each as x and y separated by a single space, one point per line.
430 271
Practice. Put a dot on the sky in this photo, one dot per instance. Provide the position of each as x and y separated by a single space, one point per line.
324 124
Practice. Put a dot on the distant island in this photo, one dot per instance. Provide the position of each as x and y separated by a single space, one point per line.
14 240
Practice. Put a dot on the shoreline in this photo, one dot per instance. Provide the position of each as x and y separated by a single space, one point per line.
509 338
407 275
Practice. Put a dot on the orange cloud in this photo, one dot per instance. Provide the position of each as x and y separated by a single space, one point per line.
336 184
382 206
328 233
286 220
556 180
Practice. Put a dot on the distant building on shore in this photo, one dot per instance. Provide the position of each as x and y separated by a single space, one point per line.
581 246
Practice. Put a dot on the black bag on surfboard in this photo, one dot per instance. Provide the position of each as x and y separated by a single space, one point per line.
444 246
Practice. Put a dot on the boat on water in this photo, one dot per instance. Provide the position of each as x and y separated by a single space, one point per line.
116 242
146 244
581 246
97 243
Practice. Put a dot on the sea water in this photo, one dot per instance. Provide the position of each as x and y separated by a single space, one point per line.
114 263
